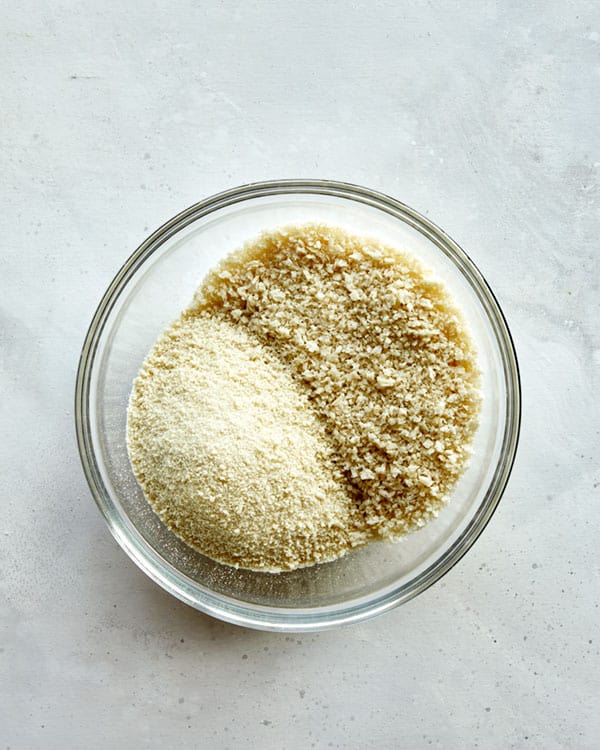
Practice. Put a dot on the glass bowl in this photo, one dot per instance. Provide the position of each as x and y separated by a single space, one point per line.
157 283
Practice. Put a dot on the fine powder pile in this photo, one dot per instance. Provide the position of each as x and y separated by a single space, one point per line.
320 393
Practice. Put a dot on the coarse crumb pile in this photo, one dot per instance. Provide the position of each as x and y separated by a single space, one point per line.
320 393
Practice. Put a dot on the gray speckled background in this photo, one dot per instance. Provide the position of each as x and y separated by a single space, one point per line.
486 117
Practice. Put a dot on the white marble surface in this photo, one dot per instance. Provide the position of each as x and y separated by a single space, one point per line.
486 117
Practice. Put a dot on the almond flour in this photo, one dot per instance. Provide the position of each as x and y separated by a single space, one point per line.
320 393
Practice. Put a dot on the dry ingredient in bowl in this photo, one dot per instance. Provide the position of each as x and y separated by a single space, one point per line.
230 453
320 393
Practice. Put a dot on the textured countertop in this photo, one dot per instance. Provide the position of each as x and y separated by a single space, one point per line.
484 116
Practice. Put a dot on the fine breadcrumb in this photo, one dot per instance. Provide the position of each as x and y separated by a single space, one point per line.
230 455
321 392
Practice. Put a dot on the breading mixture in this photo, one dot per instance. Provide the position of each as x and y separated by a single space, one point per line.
320 393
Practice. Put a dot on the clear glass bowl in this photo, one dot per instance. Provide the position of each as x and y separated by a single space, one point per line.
157 283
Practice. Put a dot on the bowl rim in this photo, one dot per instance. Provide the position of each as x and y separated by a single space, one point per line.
288 619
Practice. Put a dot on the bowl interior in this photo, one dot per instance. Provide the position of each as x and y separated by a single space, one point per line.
154 288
